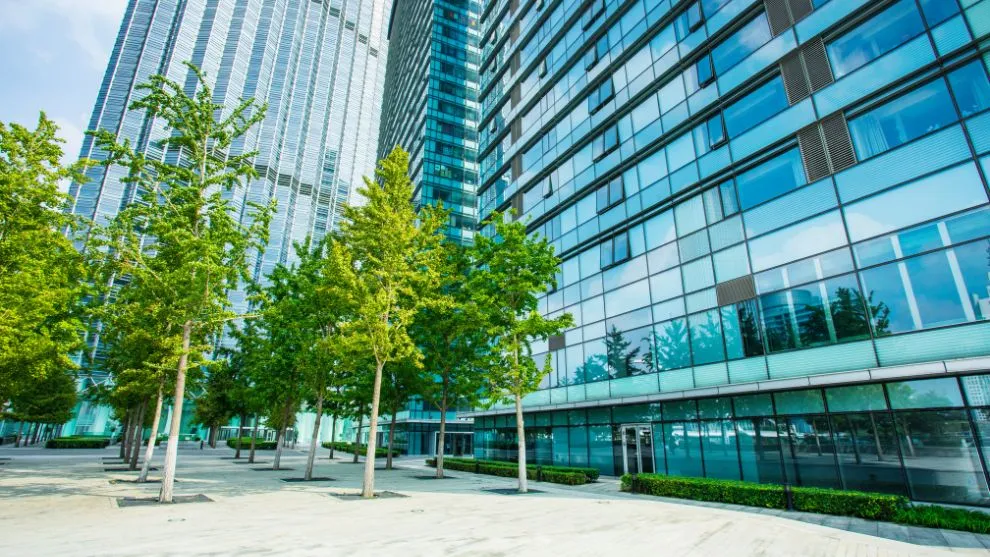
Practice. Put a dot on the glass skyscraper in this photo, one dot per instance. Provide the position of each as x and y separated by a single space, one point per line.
773 219
431 103
320 67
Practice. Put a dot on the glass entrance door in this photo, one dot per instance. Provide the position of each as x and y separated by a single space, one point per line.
637 449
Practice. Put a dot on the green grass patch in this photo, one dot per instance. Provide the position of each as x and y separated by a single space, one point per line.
536 472
362 449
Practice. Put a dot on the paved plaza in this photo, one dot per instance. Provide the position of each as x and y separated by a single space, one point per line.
63 503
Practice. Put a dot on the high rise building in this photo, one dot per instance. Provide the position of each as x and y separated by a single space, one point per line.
431 110
431 103
320 67
773 219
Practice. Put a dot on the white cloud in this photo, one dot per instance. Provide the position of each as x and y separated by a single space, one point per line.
87 21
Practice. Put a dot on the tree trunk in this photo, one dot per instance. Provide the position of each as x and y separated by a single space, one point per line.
125 433
172 449
240 435
149 451
316 438
214 432
357 439
254 436
368 489
280 441
333 434
138 436
391 437
521 434
20 435
441 443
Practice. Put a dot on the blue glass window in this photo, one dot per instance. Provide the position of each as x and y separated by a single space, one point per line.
615 250
741 44
705 71
937 289
706 337
756 107
610 194
671 345
772 178
971 87
904 119
815 314
937 11
875 37
712 6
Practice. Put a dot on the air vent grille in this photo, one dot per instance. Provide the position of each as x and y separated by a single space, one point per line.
813 152
557 342
795 83
735 290
800 9
816 65
778 16
837 142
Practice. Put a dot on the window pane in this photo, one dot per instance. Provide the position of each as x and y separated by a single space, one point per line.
877 36
977 388
809 453
753 405
744 42
756 107
924 393
940 457
971 87
938 289
759 449
772 178
600 448
799 402
866 446
706 337
742 333
855 398
683 448
937 11
721 454
671 344
921 111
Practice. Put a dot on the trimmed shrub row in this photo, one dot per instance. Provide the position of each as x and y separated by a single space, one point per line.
873 506
535 472
259 444
362 449
78 443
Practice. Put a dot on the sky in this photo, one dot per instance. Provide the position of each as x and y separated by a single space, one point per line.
53 54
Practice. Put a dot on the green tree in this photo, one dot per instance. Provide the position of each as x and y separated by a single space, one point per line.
200 246
393 249
513 268
41 273
447 332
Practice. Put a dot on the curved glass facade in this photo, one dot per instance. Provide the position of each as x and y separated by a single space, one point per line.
746 199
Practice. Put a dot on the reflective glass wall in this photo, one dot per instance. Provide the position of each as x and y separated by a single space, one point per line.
928 439
741 194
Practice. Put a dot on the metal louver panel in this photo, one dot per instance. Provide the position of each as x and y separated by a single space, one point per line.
800 9
816 65
514 33
735 290
813 153
556 342
777 15
516 167
795 84
837 142
515 95
517 206
514 64
516 129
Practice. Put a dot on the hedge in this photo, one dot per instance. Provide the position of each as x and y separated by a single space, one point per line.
536 472
259 444
873 506
933 516
78 443
363 449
